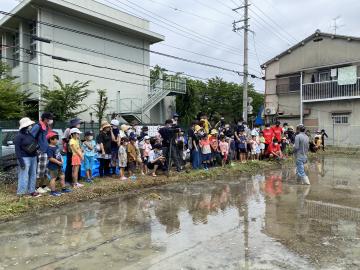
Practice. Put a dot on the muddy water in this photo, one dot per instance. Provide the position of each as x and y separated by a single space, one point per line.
263 222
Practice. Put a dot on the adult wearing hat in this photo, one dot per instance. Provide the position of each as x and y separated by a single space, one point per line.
39 132
73 123
104 140
26 148
123 130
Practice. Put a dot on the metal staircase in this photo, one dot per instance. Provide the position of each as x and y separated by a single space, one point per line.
138 109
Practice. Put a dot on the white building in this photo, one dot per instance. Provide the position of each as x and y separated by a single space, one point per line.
40 33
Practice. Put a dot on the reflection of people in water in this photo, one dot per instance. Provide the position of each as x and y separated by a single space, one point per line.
167 213
273 184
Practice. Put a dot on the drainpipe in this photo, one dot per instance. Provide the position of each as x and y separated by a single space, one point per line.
301 100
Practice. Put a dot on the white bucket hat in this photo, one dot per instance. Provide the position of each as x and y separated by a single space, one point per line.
115 122
75 130
147 138
25 122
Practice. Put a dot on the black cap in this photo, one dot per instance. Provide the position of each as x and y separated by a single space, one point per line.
74 122
47 115
277 122
267 125
157 146
89 133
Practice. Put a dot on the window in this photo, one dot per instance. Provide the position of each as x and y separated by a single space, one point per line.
33 41
294 84
16 49
340 119
288 84
324 76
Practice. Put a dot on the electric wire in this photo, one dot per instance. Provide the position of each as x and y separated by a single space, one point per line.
103 54
176 9
190 33
275 23
124 44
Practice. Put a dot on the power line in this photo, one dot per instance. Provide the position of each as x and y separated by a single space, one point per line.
253 36
84 73
171 46
125 44
260 21
175 25
275 23
256 20
188 12
212 8
100 53
84 63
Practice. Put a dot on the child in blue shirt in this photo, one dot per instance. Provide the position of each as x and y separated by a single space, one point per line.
89 148
55 165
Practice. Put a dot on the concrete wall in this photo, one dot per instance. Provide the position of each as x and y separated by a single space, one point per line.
323 53
127 90
339 134
137 86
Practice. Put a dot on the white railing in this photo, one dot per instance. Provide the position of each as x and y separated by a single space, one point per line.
157 91
330 90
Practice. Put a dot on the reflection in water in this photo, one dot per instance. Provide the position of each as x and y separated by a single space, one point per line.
265 222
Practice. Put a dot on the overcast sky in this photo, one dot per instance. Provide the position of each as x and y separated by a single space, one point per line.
205 27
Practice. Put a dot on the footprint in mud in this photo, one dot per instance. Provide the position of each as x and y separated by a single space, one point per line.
132 258
140 246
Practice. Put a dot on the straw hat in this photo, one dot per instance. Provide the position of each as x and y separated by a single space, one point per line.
25 122
214 132
105 124
124 127
197 128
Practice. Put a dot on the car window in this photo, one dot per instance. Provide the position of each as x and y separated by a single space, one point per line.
8 136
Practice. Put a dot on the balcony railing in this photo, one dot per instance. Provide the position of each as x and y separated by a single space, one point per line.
322 91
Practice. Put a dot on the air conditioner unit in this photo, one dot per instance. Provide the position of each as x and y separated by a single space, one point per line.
270 111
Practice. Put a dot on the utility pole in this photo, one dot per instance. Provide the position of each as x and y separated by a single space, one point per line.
246 52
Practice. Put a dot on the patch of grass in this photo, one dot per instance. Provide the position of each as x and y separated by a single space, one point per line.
11 206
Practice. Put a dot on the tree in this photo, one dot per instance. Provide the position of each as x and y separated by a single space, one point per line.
155 74
215 98
12 98
66 101
101 106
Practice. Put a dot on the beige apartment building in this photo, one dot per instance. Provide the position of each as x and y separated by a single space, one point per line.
316 82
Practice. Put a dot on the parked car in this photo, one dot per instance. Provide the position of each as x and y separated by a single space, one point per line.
8 157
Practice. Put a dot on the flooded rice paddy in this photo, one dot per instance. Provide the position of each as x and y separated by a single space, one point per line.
262 222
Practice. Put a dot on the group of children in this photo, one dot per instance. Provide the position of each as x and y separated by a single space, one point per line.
238 143
131 150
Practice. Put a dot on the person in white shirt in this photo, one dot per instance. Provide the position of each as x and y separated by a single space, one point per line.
156 159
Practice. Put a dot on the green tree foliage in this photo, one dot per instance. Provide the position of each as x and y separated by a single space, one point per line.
101 106
216 98
66 101
11 96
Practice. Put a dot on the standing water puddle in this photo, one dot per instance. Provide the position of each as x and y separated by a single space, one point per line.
262 222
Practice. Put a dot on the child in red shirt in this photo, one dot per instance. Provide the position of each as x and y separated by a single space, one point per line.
277 130
274 150
268 135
